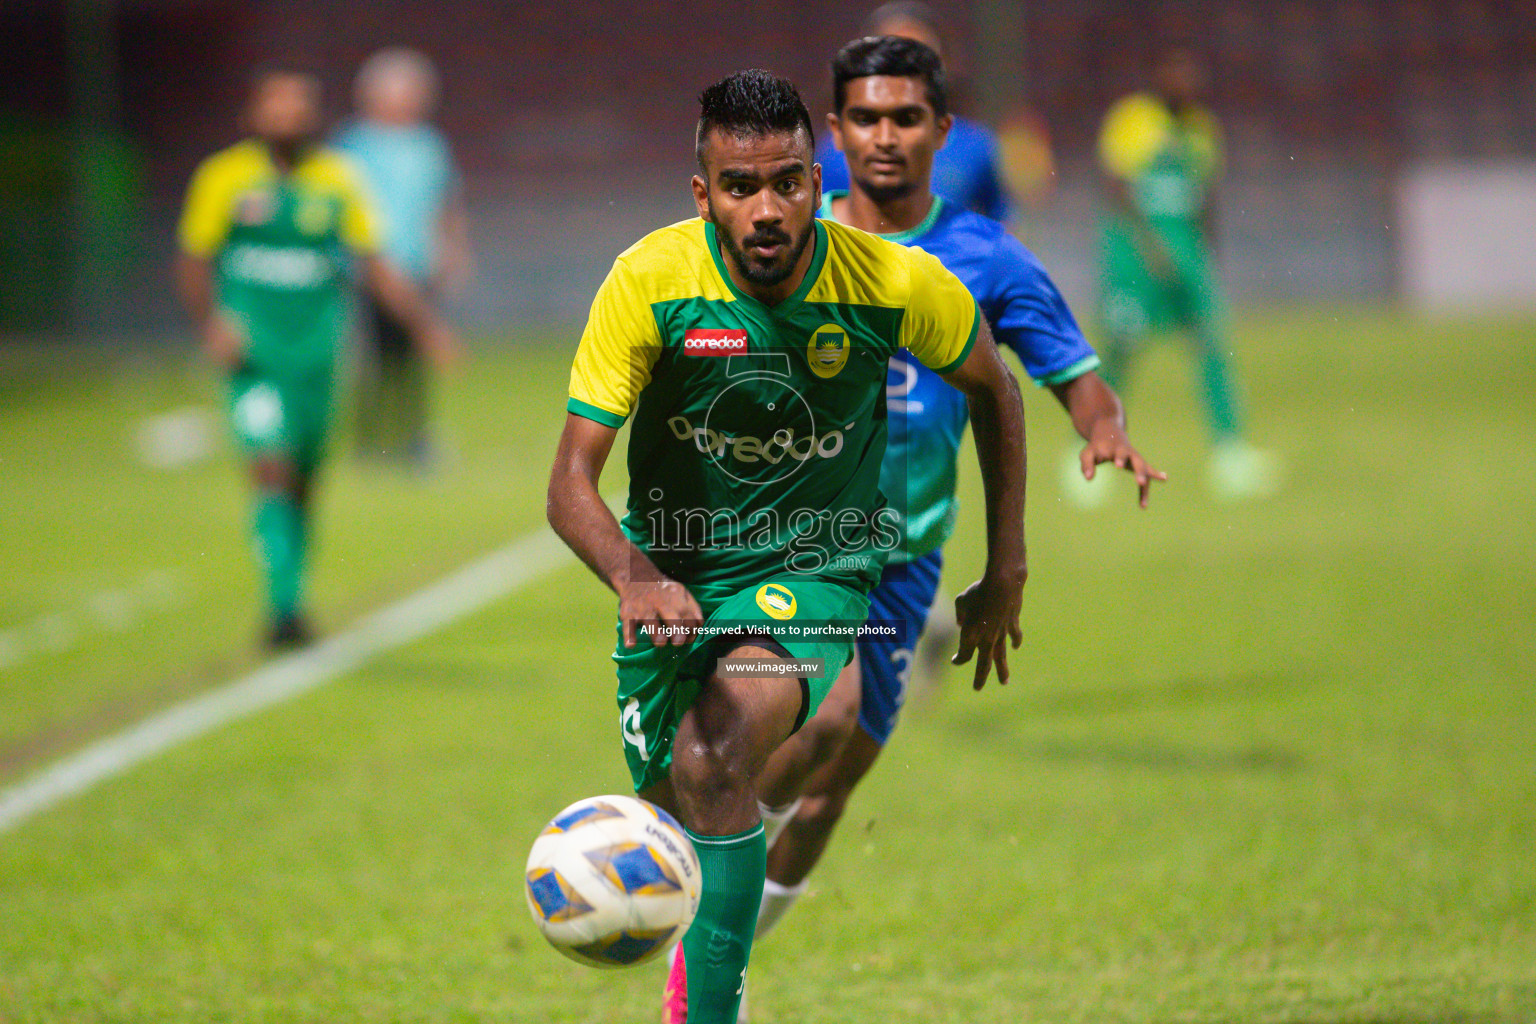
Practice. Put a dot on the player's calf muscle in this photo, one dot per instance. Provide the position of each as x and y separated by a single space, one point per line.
817 744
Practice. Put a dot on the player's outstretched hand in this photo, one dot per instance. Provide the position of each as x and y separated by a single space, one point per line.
1115 447
224 342
441 344
987 612
664 607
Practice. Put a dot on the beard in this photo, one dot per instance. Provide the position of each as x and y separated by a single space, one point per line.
886 193
765 273
289 148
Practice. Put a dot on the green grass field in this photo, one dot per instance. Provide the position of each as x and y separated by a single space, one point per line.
1264 763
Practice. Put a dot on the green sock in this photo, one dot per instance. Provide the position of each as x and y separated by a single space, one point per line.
718 944
1216 385
280 540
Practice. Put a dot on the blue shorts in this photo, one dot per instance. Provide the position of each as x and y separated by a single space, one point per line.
899 606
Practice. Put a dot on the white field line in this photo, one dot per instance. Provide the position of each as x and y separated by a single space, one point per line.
426 611
112 611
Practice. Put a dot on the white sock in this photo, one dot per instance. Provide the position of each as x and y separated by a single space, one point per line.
777 899
775 818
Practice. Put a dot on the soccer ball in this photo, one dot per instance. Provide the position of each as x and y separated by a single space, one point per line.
612 881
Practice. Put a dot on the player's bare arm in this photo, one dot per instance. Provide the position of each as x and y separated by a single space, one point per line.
222 340
456 255
1099 418
410 306
988 610
579 515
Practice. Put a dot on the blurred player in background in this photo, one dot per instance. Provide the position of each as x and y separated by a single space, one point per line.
890 120
263 269
966 171
1161 153
412 176
751 346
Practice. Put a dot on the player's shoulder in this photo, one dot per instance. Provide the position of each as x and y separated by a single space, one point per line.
1140 104
865 269
669 263
850 250
999 256
956 221
1203 119
657 250
1136 111
332 165
241 158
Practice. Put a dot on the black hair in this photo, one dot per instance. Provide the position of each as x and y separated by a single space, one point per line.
751 103
896 56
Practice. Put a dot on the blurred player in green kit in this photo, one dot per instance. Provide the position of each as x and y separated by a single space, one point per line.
271 230
1161 153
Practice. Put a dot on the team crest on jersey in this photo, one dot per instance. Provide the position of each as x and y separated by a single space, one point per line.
704 342
776 600
827 351
313 216
254 208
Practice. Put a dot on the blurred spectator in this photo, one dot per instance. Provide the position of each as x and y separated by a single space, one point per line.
408 165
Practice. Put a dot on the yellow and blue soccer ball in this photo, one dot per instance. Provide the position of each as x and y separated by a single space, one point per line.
613 881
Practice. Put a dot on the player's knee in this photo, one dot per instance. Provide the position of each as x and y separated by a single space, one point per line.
711 773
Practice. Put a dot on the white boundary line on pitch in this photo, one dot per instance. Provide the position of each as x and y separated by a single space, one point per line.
426 611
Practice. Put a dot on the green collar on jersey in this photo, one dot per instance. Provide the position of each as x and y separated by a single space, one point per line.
904 237
818 259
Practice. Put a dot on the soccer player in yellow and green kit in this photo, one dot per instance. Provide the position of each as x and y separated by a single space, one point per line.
267 237
750 346
1161 153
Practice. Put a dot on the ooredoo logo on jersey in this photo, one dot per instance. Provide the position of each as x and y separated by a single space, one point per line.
706 342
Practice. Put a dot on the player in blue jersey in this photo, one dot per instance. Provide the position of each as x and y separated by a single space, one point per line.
965 170
891 116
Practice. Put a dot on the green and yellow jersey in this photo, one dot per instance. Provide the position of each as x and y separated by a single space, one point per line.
758 431
279 244
1168 161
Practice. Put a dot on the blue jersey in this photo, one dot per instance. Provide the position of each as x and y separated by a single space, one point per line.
410 171
964 171
927 416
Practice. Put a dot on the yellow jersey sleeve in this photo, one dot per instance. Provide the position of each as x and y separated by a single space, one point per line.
619 347
942 318
1135 131
209 208
359 228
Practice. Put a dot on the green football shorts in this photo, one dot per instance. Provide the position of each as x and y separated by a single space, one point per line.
806 616
276 416
1135 301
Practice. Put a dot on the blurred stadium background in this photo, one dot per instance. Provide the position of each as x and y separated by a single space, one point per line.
1263 763
570 123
